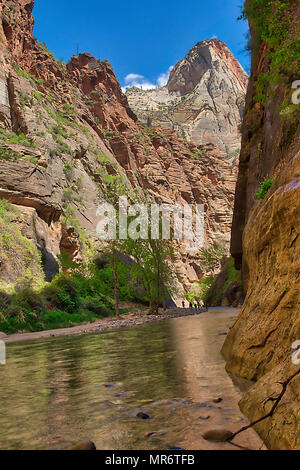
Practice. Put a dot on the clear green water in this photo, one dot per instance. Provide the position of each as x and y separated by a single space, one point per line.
57 392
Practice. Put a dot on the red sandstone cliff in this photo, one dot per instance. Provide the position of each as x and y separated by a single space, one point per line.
82 139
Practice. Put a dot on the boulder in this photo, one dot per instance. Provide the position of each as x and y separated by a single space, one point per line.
217 435
84 445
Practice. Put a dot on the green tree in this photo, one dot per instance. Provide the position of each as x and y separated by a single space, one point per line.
112 255
152 267
210 259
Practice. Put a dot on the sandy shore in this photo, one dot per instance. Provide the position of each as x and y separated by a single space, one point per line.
137 318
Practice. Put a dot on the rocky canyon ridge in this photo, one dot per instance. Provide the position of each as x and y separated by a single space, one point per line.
203 100
80 140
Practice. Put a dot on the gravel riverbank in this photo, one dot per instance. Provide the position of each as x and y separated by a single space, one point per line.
132 319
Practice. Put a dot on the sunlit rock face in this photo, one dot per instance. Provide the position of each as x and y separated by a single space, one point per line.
203 100
265 243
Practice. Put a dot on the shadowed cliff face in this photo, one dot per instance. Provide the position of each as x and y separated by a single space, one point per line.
203 99
266 243
69 138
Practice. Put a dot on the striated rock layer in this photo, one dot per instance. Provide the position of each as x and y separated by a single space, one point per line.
68 138
266 243
203 100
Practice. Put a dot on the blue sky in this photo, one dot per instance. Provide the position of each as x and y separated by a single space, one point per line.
138 38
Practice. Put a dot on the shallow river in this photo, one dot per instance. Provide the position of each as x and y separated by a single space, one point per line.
59 391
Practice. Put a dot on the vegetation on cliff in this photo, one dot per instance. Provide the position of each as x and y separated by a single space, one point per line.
19 257
216 289
276 25
264 188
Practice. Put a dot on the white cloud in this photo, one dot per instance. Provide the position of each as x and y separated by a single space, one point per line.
164 77
131 77
139 81
214 37
134 79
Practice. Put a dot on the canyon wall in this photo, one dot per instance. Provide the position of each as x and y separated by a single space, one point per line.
203 100
266 244
68 139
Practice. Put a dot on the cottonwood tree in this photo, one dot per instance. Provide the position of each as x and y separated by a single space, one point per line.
150 259
115 187
152 267
210 259
112 256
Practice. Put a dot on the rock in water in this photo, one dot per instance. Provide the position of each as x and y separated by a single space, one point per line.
149 434
142 415
109 385
84 445
218 400
217 435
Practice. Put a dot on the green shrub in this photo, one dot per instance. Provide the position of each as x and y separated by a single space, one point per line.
199 290
96 306
69 170
47 320
229 275
38 96
9 155
58 319
12 138
45 49
63 293
264 188
198 155
103 159
23 73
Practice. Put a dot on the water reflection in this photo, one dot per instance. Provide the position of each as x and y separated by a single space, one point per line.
59 391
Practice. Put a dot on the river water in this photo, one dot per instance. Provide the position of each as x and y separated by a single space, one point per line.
59 391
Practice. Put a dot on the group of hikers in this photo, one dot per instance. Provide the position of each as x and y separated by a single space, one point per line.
195 305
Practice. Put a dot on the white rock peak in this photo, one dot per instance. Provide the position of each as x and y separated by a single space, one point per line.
203 100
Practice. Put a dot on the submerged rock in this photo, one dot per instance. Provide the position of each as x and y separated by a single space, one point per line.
109 385
217 435
217 400
142 415
84 445
154 433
